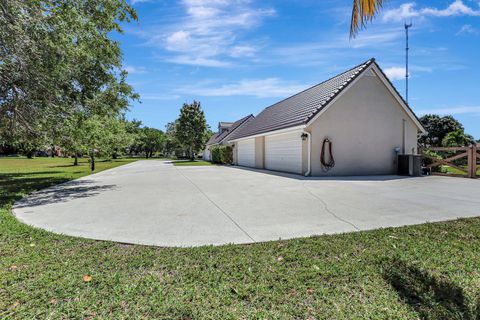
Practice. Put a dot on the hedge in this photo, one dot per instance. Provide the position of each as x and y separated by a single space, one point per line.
222 154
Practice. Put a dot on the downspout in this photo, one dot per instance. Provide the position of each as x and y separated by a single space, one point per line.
309 148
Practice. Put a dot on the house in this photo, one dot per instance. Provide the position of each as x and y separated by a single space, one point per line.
355 123
225 130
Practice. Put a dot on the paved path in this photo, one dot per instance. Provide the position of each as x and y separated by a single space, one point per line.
153 202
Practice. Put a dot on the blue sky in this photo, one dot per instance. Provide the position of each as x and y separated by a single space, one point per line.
238 56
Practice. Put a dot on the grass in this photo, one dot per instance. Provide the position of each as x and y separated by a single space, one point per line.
452 170
430 271
195 163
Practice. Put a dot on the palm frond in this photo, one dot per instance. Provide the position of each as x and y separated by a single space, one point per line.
363 11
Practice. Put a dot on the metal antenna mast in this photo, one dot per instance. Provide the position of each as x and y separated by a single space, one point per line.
407 26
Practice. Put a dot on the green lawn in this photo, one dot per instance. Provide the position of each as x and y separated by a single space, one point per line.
452 170
422 272
181 163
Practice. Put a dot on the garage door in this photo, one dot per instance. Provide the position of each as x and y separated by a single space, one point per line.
283 152
246 153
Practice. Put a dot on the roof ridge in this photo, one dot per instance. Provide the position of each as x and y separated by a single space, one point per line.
242 121
301 107
369 61
361 67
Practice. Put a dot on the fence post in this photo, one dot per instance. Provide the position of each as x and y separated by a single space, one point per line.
474 161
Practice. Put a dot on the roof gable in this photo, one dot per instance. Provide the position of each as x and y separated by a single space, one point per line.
219 137
303 108
300 108
398 96
374 70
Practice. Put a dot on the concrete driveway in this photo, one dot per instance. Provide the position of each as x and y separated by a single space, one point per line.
153 202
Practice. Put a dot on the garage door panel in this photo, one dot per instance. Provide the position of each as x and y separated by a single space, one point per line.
246 153
284 152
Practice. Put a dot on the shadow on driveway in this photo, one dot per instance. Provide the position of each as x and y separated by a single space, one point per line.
68 191
332 178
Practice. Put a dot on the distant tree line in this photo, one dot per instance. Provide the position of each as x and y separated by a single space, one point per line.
444 131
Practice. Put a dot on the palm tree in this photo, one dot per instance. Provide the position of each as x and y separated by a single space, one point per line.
363 11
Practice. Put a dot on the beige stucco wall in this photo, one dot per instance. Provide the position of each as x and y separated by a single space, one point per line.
259 152
365 125
235 153
305 156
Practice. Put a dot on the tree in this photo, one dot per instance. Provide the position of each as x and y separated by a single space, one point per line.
457 138
59 63
103 136
191 128
437 128
363 11
73 138
170 140
153 140
134 129
117 138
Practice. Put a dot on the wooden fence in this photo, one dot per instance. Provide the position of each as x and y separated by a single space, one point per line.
452 154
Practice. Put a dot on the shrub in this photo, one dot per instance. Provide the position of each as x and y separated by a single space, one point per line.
222 154
215 154
429 161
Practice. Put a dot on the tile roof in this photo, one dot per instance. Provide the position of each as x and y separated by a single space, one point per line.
212 139
219 137
300 108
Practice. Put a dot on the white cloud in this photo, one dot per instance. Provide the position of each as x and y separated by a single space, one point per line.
468 29
134 2
210 32
179 41
159 97
135 70
319 52
457 8
395 73
377 38
243 51
198 61
262 88
407 11
475 110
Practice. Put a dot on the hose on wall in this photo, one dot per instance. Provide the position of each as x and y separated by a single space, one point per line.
327 165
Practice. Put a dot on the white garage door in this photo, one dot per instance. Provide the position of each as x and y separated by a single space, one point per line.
283 152
246 153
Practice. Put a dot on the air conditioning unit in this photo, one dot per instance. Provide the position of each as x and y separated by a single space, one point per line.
409 165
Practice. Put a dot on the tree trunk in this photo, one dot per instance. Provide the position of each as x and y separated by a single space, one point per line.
53 151
92 162
192 157
75 162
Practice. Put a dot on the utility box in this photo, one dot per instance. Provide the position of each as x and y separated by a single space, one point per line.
410 165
